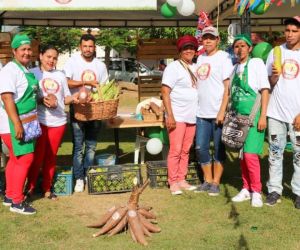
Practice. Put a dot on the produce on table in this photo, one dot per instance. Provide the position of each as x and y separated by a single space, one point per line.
131 217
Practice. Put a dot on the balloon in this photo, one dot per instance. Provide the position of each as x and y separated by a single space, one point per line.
174 3
186 8
262 51
167 10
154 146
157 132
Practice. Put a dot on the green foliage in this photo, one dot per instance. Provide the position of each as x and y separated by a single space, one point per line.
165 32
64 39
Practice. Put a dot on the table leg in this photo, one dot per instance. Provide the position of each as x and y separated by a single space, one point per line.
117 146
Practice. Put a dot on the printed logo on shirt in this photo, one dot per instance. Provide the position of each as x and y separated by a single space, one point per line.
290 69
50 86
203 71
88 75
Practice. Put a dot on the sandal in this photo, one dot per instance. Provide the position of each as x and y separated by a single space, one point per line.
51 196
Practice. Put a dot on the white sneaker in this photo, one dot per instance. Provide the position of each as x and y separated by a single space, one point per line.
79 187
243 195
256 200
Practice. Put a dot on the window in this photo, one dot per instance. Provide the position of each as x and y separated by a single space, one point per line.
115 65
130 66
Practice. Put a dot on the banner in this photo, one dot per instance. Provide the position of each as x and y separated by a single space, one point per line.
24 5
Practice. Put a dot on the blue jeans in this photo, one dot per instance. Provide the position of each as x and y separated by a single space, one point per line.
207 130
85 135
277 140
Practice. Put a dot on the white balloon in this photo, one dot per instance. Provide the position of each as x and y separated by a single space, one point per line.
186 8
175 3
154 146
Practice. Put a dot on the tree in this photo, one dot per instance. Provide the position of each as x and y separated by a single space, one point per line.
64 39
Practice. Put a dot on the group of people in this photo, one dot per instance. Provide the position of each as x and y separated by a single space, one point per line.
40 94
197 95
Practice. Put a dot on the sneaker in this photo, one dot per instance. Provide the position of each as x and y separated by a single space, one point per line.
175 190
243 195
185 186
214 190
7 201
79 187
272 199
256 200
204 187
297 202
22 208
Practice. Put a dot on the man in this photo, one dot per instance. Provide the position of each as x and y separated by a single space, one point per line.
84 70
284 112
214 68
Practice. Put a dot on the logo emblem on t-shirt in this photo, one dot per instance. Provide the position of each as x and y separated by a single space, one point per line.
290 69
203 71
50 86
63 1
88 75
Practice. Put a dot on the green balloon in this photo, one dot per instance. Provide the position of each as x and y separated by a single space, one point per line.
167 10
260 9
158 132
262 51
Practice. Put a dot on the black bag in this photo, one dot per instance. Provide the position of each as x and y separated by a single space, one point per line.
236 126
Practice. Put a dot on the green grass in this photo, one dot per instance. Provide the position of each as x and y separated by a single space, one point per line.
190 221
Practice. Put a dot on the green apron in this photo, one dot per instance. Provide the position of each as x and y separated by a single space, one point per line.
26 104
242 101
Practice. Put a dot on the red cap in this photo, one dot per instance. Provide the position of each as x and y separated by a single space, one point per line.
186 40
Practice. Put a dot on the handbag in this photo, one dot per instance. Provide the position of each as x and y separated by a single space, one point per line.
31 126
236 126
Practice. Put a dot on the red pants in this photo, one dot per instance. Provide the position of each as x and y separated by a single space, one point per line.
45 157
16 172
251 172
181 139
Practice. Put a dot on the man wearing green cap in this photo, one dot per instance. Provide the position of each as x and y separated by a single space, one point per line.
18 90
284 111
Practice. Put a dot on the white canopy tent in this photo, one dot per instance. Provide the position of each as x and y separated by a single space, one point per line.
132 13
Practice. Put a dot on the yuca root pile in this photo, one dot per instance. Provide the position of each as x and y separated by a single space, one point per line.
131 217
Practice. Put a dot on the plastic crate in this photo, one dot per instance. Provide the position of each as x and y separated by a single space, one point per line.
157 172
113 179
63 181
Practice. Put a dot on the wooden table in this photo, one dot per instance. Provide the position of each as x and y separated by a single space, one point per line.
128 121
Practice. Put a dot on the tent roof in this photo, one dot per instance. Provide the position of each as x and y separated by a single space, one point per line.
148 18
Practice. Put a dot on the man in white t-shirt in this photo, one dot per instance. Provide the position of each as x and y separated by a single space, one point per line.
284 112
214 68
84 70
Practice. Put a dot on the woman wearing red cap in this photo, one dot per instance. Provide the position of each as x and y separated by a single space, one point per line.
179 95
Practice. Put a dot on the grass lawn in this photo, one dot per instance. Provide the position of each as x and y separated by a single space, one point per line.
190 221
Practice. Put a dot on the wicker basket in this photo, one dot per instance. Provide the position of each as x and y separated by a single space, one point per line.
99 110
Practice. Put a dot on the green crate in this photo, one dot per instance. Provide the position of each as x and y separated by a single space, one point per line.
113 178
63 181
157 172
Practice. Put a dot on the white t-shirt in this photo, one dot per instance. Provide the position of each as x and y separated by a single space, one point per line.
184 97
257 74
76 68
211 72
12 80
53 82
284 104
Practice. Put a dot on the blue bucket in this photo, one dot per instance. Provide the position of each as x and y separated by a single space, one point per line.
105 159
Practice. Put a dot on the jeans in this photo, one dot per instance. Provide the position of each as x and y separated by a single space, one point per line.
277 140
206 130
85 135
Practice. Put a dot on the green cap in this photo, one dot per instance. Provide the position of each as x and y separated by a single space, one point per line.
246 38
19 40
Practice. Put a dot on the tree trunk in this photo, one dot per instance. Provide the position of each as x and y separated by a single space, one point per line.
107 58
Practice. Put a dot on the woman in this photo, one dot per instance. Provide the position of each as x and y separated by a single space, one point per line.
214 68
52 118
250 78
179 95
18 90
